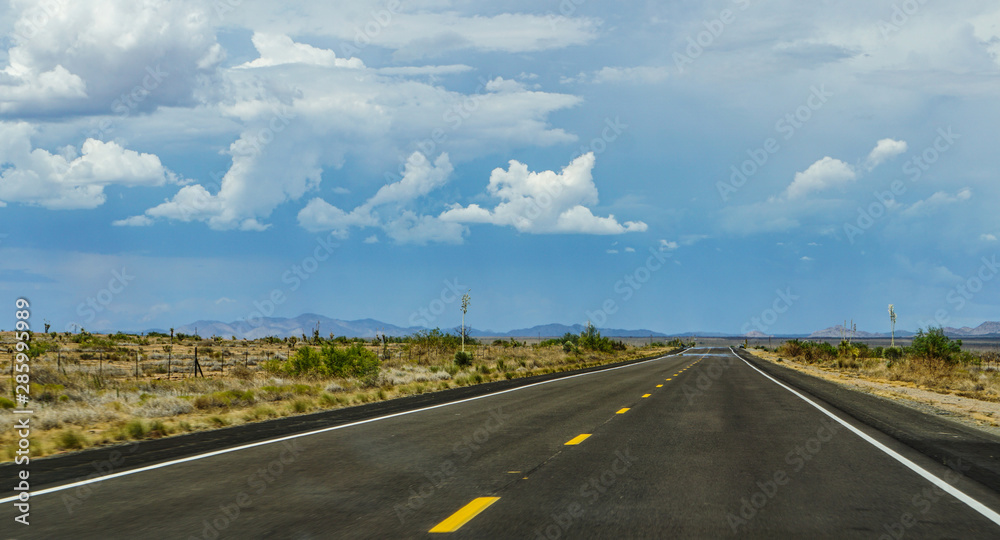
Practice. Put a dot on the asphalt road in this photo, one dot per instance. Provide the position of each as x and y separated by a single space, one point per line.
719 450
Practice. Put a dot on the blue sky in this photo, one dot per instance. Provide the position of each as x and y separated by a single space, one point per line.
728 166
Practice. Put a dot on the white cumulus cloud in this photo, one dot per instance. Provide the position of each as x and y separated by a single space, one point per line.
544 202
70 180
278 49
936 202
113 56
885 150
824 174
386 208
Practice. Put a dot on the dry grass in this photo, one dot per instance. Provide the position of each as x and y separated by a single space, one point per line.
85 398
982 383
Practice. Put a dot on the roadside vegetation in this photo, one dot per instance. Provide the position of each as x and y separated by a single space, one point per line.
97 389
932 361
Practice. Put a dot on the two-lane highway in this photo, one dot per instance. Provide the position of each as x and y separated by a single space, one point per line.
698 444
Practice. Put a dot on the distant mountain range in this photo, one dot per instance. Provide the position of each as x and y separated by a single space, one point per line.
369 328
989 328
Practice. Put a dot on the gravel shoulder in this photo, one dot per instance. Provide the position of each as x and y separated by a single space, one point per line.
975 413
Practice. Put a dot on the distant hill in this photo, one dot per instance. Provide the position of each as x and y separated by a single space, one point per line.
303 324
988 328
557 330
840 331
369 328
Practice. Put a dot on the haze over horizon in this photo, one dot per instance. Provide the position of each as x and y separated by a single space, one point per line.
801 165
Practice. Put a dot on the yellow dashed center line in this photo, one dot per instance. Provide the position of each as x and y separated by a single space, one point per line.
646 395
622 411
463 516
578 439
669 379
659 386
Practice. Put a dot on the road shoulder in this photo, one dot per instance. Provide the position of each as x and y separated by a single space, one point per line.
942 439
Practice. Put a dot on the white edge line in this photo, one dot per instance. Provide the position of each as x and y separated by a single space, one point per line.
955 492
314 432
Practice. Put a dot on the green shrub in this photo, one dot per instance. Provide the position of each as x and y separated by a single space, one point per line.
463 359
6 403
591 339
437 340
304 390
70 440
935 346
38 348
136 429
567 337
158 429
330 361
812 352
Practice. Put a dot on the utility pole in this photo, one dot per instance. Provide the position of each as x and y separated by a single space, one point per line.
465 308
170 349
892 319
